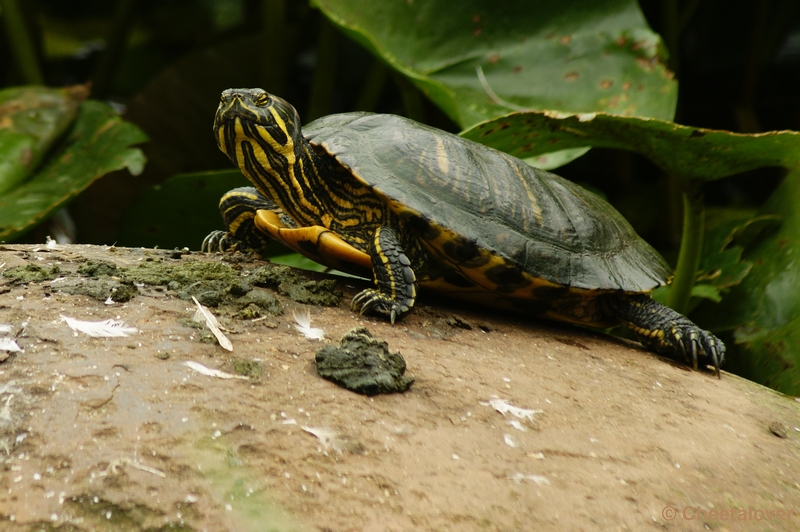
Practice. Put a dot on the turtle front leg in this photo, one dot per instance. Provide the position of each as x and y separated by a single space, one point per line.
667 332
238 208
393 276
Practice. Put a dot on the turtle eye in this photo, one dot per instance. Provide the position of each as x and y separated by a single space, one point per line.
262 99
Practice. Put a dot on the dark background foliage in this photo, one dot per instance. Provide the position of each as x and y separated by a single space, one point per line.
738 66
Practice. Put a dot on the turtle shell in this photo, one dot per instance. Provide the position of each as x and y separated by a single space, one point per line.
487 213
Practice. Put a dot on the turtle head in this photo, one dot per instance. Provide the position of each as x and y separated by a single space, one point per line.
253 123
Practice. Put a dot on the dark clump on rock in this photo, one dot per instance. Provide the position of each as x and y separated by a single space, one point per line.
363 364
289 283
100 289
31 273
98 268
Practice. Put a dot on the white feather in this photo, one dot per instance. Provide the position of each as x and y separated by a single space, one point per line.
203 314
330 438
100 329
209 372
304 326
517 425
504 407
9 344
539 479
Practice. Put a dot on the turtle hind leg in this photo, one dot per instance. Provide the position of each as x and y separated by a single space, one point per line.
665 331
238 208
395 280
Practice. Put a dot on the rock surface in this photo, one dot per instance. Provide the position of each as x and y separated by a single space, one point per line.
121 434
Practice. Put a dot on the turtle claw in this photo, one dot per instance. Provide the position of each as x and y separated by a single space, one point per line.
372 300
369 300
218 241
695 344
714 349
708 346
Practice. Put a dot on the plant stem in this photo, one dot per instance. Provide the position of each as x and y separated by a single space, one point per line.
691 247
21 42
109 61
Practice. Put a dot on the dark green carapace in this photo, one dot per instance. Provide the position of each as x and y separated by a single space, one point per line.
416 207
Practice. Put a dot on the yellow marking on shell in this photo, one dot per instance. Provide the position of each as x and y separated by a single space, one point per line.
442 161
477 274
537 210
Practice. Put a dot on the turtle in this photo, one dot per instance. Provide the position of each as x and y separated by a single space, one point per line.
417 208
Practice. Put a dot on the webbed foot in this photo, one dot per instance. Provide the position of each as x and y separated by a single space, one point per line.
394 278
238 208
667 332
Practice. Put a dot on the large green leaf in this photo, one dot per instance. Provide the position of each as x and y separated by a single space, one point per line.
682 151
32 119
99 143
722 266
764 309
576 55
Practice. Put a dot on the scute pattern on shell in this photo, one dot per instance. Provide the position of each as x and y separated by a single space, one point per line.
538 222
